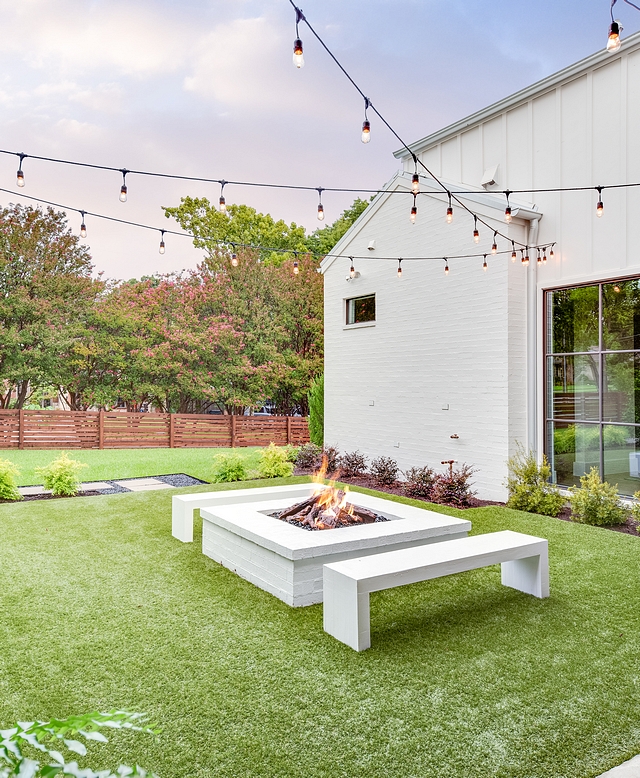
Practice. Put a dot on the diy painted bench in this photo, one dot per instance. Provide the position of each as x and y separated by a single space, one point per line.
346 585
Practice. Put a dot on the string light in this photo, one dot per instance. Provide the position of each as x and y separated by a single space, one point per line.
484 264
415 179
476 234
446 266
600 205
296 268
20 174
123 188
222 202
352 270
514 256
507 210
320 206
399 268
525 257
298 58
161 247
366 125
613 41
83 226
414 211
234 259
494 247
539 258
551 253
544 255
449 210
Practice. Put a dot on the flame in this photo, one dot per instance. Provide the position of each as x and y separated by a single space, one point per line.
330 499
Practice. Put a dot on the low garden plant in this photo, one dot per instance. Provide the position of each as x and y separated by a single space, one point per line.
274 463
420 481
8 487
332 456
635 510
454 487
309 456
596 502
529 487
228 468
35 748
61 476
292 452
384 471
352 464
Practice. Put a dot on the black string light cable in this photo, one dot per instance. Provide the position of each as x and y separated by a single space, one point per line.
249 246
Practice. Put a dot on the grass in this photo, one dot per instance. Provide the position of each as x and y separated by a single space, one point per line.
102 608
128 463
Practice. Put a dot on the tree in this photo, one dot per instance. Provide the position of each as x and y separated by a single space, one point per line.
316 411
45 287
324 239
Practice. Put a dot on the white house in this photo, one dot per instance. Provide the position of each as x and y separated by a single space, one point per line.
430 367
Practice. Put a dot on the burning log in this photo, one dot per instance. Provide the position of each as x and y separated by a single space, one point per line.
326 510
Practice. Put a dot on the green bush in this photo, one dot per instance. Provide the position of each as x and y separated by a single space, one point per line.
596 501
61 476
227 468
529 487
635 510
8 486
587 438
292 452
316 411
274 463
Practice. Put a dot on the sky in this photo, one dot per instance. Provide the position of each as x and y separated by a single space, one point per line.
207 88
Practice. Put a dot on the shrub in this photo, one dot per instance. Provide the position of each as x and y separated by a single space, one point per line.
635 510
273 463
420 481
352 464
309 456
292 452
227 468
61 476
8 486
384 471
454 487
596 502
316 411
529 487
332 455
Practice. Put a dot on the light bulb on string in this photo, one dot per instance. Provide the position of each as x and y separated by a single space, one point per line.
613 41
600 204
83 226
296 267
366 125
298 58
399 268
415 178
484 264
414 211
446 266
551 253
539 257
525 257
476 234
222 202
234 259
544 255
352 270
320 206
20 174
449 210
494 246
507 211
161 247
514 256
123 188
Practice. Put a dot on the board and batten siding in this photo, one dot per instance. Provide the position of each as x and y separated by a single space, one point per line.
447 354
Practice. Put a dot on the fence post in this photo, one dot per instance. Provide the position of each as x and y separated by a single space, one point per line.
101 429
171 429
21 428
233 431
288 430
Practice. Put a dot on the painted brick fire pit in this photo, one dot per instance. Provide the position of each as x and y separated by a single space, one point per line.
287 561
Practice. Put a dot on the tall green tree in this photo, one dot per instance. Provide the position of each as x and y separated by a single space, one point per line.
325 238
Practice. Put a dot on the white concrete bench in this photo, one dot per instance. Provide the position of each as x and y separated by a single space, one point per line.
183 505
346 585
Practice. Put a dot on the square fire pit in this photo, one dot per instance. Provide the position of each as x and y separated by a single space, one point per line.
287 561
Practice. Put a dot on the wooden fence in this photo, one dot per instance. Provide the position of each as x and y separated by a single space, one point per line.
112 429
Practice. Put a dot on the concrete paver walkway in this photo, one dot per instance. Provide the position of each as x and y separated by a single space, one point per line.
630 769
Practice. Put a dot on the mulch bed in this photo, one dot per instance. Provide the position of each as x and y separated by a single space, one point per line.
367 482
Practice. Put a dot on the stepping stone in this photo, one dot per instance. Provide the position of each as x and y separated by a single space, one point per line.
95 486
28 491
143 484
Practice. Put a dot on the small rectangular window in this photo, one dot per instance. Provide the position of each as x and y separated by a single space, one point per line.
361 309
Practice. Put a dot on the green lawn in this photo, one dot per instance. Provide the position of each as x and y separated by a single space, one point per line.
102 608
127 463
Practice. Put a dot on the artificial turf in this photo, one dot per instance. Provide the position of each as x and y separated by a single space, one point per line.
127 463
102 608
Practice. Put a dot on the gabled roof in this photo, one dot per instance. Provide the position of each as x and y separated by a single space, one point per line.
402 181
523 96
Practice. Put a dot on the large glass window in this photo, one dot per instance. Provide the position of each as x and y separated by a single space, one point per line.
592 374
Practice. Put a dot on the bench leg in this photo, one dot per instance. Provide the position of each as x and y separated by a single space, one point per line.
529 575
182 521
345 610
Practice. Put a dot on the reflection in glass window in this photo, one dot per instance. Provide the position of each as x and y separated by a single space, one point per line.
621 460
575 388
574 314
573 449
361 309
621 384
621 315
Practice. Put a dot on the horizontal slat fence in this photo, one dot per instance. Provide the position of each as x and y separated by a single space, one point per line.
111 429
